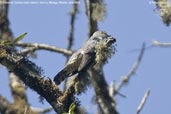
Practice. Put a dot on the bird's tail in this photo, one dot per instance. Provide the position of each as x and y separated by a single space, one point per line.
61 76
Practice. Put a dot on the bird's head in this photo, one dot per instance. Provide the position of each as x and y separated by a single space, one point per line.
101 37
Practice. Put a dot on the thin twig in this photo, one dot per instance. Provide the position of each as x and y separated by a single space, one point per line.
143 101
41 111
164 44
47 110
112 90
26 51
45 47
73 13
132 71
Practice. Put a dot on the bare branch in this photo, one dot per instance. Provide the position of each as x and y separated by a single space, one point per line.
41 111
143 101
157 43
45 47
125 79
73 13
112 90
26 51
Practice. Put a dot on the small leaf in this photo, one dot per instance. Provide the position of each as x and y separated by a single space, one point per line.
72 108
19 38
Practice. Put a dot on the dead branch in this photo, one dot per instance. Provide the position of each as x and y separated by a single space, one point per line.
143 101
164 8
73 13
41 111
125 79
160 44
37 46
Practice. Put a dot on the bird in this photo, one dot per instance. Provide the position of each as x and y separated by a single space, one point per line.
96 50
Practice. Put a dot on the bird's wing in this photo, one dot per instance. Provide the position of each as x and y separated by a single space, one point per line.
70 68
87 61
63 74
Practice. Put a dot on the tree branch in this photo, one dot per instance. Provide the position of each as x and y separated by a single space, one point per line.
18 91
143 101
164 44
106 103
17 88
30 74
125 79
41 111
95 10
8 108
73 13
44 47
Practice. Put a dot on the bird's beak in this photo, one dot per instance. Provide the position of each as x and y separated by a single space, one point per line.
110 41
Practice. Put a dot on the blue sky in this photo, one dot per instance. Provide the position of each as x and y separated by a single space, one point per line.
130 22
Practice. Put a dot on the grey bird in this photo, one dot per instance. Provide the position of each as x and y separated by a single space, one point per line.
96 50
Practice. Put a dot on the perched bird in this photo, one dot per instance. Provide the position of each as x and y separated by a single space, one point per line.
96 50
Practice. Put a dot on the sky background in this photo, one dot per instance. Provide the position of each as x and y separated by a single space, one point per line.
130 22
